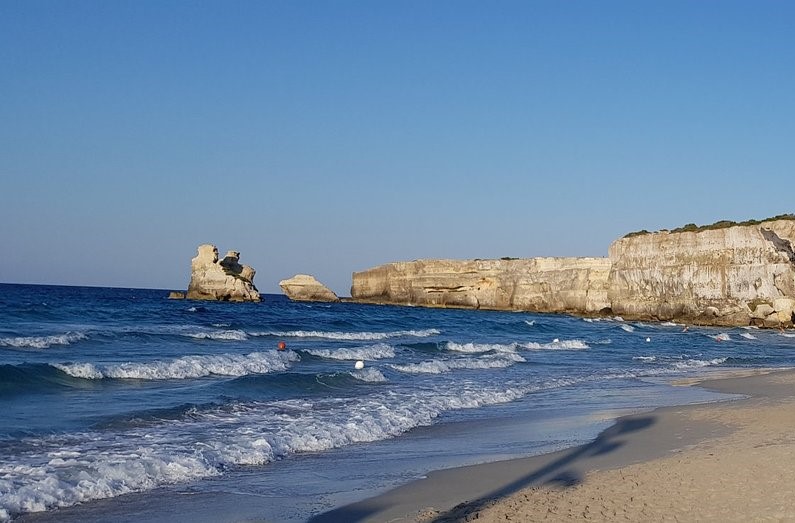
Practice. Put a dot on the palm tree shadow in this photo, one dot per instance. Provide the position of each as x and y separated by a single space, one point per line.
565 471
560 472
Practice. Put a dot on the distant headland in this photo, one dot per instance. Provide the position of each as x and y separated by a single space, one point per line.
727 273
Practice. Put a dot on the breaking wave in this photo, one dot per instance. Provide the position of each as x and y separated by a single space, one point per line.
442 366
185 367
42 342
358 336
557 345
370 352
218 335
63 470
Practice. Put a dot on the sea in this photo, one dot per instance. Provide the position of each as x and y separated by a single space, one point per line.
122 405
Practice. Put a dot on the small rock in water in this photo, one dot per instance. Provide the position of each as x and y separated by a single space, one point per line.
359 365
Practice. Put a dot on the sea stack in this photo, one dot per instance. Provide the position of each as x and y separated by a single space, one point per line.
303 287
220 280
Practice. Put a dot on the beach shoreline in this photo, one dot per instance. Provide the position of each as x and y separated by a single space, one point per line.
692 462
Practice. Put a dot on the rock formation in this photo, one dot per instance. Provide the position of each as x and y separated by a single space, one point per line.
224 280
726 276
303 287
535 284
176 295
736 274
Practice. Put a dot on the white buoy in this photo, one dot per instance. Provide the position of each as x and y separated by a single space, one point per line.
556 340
359 365
648 340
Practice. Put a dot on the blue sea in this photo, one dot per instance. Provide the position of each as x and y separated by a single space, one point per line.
122 405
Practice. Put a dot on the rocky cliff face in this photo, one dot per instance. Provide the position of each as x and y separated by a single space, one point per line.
303 287
536 284
738 275
732 276
221 280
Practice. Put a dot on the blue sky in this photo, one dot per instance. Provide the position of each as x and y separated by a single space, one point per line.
331 136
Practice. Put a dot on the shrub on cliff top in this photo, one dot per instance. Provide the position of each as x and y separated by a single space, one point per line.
722 224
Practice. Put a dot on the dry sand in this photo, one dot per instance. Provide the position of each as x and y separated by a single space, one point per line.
729 461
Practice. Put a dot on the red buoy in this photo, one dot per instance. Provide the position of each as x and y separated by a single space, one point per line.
281 345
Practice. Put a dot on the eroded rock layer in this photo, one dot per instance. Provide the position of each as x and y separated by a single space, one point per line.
220 280
736 275
731 276
303 287
536 284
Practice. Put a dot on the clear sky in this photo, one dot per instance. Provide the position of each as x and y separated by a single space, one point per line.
326 137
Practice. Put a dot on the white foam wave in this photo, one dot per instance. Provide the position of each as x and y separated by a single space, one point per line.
218 335
360 336
473 348
721 337
669 324
186 367
557 345
62 470
645 359
628 328
369 375
748 336
370 352
442 366
695 364
42 342
530 322
787 335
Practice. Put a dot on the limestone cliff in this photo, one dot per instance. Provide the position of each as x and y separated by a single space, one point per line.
303 287
724 274
222 280
727 276
536 284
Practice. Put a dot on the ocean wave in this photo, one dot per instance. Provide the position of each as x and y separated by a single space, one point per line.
748 336
353 336
695 364
237 335
531 323
63 470
370 352
557 345
369 375
473 348
669 324
721 337
443 366
645 359
42 342
185 367
628 328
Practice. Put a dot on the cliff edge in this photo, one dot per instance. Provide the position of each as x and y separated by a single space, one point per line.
724 274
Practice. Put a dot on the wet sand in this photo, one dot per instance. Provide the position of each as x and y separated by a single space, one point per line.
728 461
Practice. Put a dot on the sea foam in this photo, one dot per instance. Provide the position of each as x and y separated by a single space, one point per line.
63 470
442 366
369 352
360 336
185 367
42 342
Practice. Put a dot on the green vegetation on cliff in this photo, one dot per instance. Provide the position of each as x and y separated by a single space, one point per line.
723 224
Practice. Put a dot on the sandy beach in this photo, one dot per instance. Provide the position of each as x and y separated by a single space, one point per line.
727 461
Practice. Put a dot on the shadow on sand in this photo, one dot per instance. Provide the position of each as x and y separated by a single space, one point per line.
566 470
